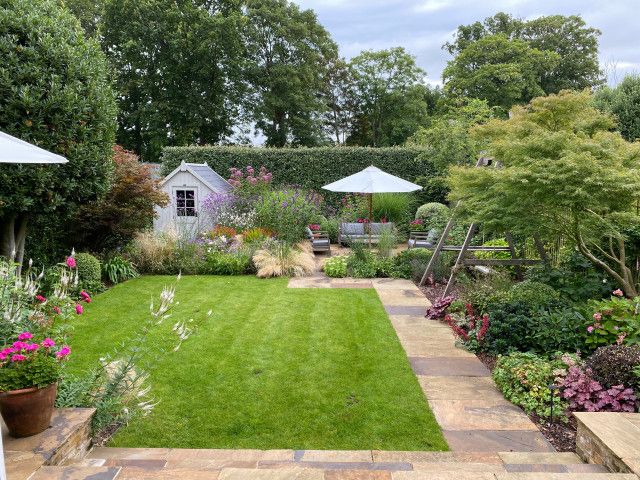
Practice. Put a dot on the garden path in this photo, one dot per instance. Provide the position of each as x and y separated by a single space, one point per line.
473 414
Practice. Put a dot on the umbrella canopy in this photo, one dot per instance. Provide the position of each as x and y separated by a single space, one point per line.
14 150
372 180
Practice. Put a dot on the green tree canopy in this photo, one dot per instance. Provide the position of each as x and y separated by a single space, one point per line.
390 97
55 92
502 71
623 101
569 37
289 55
561 172
179 71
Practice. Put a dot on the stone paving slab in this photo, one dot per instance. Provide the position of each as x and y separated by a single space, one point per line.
460 388
129 453
416 321
559 458
431 457
333 455
21 465
434 348
425 334
497 441
565 476
271 474
75 473
403 297
425 475
404 309
132 473
449 366
356 475
480 414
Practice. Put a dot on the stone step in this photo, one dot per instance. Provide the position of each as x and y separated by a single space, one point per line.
75 473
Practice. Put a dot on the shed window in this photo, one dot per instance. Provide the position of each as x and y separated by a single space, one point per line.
186 203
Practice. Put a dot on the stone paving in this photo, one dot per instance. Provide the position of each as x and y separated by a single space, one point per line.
473 414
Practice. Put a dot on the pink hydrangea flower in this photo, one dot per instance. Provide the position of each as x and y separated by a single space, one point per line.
597 316
71 262
79 309
18 358
64 351
618 293
25 336
40 298
590 328
48 343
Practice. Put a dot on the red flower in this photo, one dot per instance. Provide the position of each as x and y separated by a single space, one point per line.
40 298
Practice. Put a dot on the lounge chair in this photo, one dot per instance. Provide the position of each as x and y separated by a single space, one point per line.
423 239
319 239
359 232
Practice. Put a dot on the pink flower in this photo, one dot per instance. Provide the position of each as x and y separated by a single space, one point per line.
18 358
618 293
40 298
32 347
64 351
71 262
3 357
48 343
7 351
590 328
597 316
79 309
57 310
620 338
85 296
25 336
19 346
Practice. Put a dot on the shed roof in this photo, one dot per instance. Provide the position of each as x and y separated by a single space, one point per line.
204 173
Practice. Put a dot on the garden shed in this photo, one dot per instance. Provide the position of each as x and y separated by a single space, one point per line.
187 186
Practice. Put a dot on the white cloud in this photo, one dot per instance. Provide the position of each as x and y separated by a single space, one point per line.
433 5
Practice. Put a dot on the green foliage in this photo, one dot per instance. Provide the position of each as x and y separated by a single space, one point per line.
568 37
532 295
387 241
433 215
222 263
55 93
615 364
575 278
309 168
500 70
336 267
362 263
524 379
623 101
288 52
179 71
39 371
331 226
388 96
288 213
614 320
118 269
411 263
393 207
563 172
89 272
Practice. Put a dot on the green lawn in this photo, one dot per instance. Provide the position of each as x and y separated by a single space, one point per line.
271 368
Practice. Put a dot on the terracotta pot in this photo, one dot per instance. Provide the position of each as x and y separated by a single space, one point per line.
28 411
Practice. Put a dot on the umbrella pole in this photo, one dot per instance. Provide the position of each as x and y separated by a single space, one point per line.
370 198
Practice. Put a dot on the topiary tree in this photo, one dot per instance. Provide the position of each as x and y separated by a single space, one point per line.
89 272
433 215
55 92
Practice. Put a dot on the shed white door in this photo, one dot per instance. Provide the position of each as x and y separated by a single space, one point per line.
185 210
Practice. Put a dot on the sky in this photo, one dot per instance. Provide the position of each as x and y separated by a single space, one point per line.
422 26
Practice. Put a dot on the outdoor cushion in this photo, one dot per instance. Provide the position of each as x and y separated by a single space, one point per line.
420 244
378 228
321 241
309 233
433 235
352 228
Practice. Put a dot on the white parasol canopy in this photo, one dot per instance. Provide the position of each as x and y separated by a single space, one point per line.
14 150
372 180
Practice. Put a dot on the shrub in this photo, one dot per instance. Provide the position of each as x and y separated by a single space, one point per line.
532 295
392 207
470 328
288 213
433 215
228 209
165 253
524 379
336 267
361 263
118 269
222 263
438 309
615 364
331 226
256 235
411 263
248 182
557 330
584 393
616 320
277 259
89 272
386 243
221 231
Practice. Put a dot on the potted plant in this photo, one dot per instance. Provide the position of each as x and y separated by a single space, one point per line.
29 372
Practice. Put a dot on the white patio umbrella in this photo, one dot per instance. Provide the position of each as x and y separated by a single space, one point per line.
369 181
14 150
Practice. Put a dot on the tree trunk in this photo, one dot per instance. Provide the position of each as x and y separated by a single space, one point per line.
13 232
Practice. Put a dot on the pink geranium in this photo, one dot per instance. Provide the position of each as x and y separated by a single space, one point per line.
64 352
79 309
32 347
18 358
85 296
590 328
48 343
19 346
25 336
71 262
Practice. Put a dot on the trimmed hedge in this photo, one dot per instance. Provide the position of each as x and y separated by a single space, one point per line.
307 167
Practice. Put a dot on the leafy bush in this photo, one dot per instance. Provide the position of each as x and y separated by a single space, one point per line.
386 243
89 272
615 364
616 320
256 235
288 213
470 328
222 263
438 309
277 259
336 267
361 263
575 278
229 209
584 393
331 226
433 215
165 253
411 263
533 296
524 379
557 330
392 207
118 269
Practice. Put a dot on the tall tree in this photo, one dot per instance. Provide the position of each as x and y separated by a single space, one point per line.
179 70
568 37
55 92
623 101
339 98
391 97
562 172
89 12
289 54
501 71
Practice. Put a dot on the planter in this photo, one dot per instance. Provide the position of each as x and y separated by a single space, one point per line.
28 411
